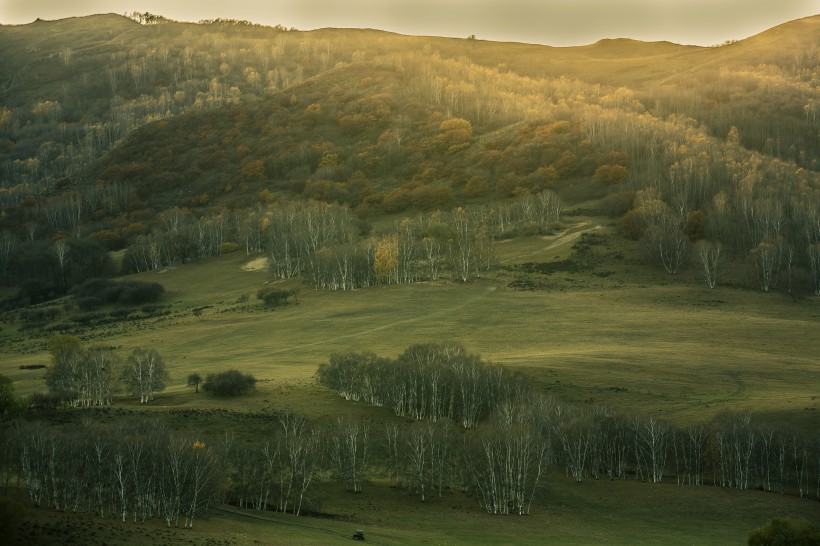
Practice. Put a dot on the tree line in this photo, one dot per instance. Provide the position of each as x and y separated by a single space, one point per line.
86 377
501 454
140 469
436 382
135 470
335 250
427 381
712 201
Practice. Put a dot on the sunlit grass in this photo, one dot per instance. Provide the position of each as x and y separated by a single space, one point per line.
644 342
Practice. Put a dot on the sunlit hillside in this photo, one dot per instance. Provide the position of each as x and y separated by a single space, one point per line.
108 122
404 284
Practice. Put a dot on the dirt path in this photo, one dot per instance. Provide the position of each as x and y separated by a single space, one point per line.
449 310
567 237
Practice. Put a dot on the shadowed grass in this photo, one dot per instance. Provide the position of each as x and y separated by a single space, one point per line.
593 512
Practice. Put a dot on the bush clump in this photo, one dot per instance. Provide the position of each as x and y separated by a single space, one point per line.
89 303
228 247
229 383
782 531
94 293
274 297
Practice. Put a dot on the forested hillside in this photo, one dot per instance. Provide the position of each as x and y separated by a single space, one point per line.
176 140
559 257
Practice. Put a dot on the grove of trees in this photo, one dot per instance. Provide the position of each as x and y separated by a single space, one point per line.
80 377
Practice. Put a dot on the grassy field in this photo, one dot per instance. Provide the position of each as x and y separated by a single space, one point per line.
634 338
631 337
594 512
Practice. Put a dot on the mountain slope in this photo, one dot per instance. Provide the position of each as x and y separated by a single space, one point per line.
112 122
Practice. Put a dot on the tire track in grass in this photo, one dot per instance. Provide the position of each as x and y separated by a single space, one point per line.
568 236
389 325
270 519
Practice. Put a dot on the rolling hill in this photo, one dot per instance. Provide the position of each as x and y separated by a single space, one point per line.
340 210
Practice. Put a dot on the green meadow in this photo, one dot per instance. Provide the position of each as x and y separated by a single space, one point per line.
645 343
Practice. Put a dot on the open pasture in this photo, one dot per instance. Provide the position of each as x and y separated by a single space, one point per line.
644 343
650 344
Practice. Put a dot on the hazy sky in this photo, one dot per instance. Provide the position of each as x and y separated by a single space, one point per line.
552 22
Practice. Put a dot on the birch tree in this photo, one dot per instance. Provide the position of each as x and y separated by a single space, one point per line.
144 374
708 255
766 259
507 461
813 252
350 445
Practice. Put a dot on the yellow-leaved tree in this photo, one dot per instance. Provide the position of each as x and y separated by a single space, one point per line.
386 259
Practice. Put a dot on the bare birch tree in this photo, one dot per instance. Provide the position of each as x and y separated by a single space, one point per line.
708 256
144 374
349 452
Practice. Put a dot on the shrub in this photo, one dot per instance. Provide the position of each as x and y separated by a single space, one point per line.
11 514
45 400
59 327
616 205
31 326
782 531
8 401
96 292
92 287
87 318
135 293
31 315
632 225
228 247
89 303
274 297
229 383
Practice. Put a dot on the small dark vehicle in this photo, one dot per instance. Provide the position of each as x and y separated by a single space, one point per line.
358 535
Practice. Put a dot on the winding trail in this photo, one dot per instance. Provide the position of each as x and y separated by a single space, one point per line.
567 237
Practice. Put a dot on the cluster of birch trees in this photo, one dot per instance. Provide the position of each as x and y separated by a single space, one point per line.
734 451
140 469
427 381
713 201
457 243
81 377
326 242
279 473
135 470
179 236
503 463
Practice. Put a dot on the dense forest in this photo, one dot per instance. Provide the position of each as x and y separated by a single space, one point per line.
175 141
